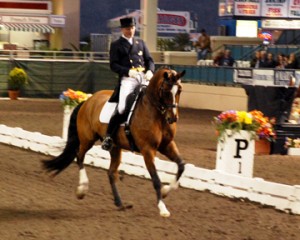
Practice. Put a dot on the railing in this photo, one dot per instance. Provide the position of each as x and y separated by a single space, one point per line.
51 72
53 55
209 75
246 52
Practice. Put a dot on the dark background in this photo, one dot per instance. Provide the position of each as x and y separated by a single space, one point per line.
95 13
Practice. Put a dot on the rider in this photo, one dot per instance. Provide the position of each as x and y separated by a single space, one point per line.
130 58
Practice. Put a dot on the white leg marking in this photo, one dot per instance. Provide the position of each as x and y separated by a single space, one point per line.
83 186
83 178
174 184
163 211
167 188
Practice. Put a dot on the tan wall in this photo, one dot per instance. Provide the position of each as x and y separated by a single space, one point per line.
71 32
181 58
190 58
218 41
213 97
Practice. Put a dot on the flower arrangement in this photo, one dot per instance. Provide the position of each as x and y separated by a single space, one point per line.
260 126
295 112
292 143
72 98
17 78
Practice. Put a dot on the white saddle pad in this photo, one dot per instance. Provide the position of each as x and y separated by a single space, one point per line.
107 111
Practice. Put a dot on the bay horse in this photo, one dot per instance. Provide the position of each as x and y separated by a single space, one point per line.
153 127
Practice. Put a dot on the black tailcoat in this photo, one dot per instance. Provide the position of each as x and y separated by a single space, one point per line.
124 56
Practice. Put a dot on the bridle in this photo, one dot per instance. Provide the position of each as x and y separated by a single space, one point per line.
164 107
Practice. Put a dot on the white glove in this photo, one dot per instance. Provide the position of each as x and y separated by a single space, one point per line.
133 73
148 75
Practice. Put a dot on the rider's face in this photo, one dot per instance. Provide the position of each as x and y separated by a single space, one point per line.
128 31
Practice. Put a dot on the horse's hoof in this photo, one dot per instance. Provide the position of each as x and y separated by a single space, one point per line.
125 206
165 190
128 205
81 191
80 195
165 214
163 211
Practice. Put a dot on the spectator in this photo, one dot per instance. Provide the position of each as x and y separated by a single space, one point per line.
227 59
280 63
255 60
270 62
218 57
263 59
292 62
203 45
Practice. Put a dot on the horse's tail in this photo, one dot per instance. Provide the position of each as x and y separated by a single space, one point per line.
62 161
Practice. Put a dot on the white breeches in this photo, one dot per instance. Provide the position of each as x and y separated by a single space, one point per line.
127 86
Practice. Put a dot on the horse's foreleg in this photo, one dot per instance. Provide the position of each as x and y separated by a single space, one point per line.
172 153
149 161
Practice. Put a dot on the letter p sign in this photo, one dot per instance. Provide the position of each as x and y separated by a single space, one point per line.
241 144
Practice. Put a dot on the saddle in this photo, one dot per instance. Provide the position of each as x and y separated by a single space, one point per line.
110 107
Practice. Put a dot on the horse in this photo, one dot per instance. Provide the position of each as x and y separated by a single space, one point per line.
152 126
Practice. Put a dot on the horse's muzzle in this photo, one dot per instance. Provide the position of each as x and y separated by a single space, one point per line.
171 120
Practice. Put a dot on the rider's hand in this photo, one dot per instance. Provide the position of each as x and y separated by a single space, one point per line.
133 73
148 75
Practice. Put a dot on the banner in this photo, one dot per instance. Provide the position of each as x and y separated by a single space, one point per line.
247 8
226 7
266 77
294 9
274 9
167 21
172 22
280 24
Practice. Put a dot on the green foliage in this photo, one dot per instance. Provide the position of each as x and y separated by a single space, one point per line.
179 43
182 40
17 78
165 44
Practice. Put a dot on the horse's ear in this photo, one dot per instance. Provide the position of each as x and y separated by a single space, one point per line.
182 73
166 75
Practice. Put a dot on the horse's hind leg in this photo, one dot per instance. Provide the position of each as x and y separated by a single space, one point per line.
83 185
172 153
113 176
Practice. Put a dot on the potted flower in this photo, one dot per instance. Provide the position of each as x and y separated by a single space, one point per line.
292 145
70 99
259 126
17 78
255 122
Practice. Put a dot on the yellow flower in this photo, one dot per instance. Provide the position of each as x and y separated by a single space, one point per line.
244 117
248 118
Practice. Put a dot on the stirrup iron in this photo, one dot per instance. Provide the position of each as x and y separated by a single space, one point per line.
107 144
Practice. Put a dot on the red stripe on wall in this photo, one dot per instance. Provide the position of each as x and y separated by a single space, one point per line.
35 6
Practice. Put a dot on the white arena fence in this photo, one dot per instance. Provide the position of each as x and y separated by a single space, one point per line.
281 196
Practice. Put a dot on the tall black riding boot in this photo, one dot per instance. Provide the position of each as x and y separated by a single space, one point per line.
112 128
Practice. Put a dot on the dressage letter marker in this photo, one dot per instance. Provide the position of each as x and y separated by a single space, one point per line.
235 154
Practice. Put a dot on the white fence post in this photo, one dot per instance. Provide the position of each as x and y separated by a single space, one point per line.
235 153
66 120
